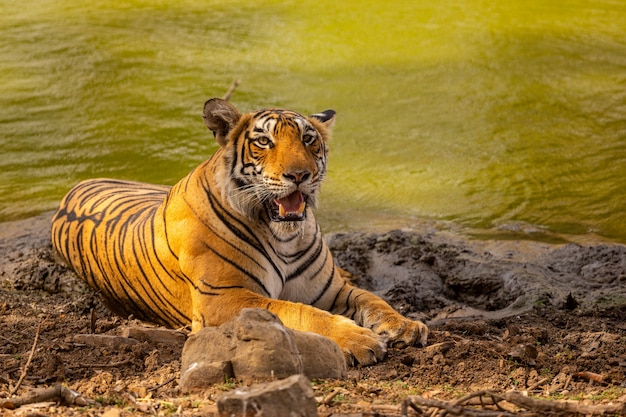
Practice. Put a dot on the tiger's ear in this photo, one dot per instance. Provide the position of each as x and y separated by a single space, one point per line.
327 117
220 117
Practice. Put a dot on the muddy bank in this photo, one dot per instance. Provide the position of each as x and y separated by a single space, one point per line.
503 315
425 275
432 276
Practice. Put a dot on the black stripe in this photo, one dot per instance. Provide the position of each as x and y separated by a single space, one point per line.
332 306
296 234
311 260
223 239
217 288
229 221
326 287
150 249
165 231
134 197
354 305
139 304
245 272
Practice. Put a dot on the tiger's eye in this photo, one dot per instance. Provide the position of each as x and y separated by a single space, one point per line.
309 139
263 141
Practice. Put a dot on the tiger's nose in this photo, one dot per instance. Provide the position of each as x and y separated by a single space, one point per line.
297 177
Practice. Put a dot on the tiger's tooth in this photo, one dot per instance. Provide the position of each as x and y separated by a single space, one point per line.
301 208
281 210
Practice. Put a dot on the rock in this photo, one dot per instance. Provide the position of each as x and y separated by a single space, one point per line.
253 347
155 335
256 344
292 396
321 356
202 374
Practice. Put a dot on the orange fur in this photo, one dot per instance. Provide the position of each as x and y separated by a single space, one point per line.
231 234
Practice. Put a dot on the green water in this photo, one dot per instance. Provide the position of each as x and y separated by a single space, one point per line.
506 118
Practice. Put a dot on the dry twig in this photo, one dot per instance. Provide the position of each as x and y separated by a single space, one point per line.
30 358
329 398
450 407
55 393
6 339
568 381
538 384
161 385
543 406
231 90
528 406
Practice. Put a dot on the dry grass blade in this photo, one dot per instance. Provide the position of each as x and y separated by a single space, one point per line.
28 361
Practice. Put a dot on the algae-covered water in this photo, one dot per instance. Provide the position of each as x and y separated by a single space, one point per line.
506 118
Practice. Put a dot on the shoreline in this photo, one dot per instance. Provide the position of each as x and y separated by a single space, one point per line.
428 274
382 222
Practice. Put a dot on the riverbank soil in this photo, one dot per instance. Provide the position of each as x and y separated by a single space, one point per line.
548 321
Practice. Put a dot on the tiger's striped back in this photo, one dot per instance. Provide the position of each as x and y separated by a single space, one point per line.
104 229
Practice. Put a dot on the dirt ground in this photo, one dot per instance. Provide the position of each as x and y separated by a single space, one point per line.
547 321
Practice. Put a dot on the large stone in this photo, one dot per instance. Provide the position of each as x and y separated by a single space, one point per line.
321 357
255 344
202 374
290 397
254 347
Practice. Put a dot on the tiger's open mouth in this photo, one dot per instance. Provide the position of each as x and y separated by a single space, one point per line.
291 208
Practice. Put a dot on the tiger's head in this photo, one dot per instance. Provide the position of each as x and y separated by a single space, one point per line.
274 160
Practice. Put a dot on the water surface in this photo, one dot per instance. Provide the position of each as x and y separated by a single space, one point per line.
508 119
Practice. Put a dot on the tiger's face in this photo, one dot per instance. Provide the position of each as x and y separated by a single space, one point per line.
274 160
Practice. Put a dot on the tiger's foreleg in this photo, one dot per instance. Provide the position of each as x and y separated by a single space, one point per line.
372 312
358 344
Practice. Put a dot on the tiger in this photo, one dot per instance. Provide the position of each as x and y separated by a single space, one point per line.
237 232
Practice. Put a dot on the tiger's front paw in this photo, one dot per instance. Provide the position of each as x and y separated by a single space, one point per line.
359 345
401 332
